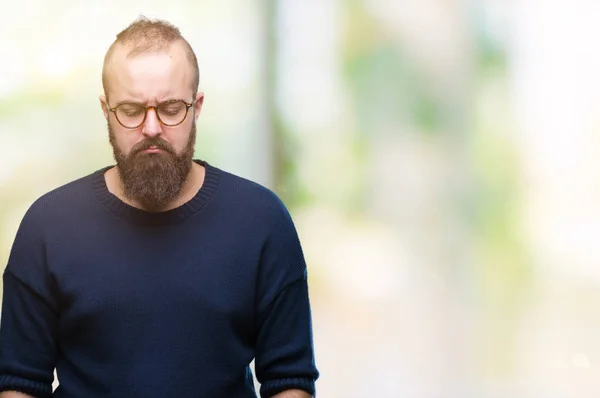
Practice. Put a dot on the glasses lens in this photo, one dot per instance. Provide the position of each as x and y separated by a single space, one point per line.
131 115
171 113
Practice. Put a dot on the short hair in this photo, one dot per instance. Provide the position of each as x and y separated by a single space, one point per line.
146 35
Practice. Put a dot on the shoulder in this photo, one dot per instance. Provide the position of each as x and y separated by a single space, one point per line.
253 197
64 199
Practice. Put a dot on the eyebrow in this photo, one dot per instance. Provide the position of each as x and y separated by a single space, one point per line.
145 103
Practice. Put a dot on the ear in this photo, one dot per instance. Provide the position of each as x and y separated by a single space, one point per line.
198 104
104 105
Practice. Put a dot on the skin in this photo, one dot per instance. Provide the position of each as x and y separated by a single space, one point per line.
152 78
293 394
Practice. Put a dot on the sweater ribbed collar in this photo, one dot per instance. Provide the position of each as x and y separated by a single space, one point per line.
194 205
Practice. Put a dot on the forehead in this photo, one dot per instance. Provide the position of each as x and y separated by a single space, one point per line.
152 76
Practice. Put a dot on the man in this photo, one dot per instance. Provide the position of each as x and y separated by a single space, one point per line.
163 276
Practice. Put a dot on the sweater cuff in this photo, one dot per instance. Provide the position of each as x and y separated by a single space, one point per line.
25 386
272 387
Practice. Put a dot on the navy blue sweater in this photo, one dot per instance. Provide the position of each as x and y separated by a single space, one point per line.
126 303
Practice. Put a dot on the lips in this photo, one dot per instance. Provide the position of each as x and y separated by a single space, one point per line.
153 148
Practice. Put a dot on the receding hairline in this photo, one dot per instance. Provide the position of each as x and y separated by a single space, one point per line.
149 36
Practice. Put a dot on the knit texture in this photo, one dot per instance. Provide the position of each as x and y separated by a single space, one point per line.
127 303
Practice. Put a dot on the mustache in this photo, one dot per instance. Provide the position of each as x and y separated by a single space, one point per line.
152 142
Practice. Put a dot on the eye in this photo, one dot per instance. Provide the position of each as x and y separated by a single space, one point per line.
172 109
131 110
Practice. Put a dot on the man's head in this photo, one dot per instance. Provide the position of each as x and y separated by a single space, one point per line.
150 78
145 36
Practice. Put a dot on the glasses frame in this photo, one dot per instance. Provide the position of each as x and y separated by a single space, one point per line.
155 107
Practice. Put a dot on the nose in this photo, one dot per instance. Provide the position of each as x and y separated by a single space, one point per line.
151 126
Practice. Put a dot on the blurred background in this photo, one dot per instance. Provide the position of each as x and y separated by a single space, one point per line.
440 159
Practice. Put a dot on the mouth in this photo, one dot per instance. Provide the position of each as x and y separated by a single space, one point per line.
153 149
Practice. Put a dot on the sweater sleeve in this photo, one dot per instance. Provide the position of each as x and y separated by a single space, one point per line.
284 346
29 320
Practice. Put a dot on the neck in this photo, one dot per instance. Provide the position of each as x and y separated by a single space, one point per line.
190 187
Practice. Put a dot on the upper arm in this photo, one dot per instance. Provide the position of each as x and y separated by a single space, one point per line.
284 344
29 320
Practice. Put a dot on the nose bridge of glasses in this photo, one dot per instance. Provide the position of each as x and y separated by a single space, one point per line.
152 115
158 110
152 108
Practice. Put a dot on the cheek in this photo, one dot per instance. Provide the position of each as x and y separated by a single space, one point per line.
125 140
177 139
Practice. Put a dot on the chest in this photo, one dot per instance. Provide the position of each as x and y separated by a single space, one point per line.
145 278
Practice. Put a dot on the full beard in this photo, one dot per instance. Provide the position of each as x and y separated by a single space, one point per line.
153 180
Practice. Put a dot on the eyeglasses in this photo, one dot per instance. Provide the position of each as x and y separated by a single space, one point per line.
132 115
